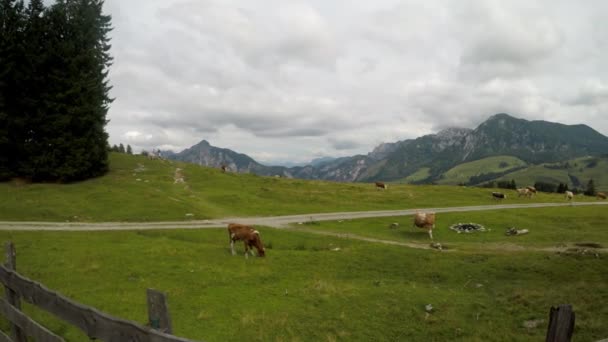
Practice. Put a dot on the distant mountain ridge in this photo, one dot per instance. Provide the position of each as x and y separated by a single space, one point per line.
534 142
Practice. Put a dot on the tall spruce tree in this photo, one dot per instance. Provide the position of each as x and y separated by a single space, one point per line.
73 144
33 86
12 123
54 93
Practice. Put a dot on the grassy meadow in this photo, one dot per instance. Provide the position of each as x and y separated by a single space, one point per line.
484 287
139 189
463 172
581 169
312 288
548 227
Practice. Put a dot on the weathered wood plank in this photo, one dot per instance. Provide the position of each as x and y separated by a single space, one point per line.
11 296
4 337
561 324
28 325
158 311
94 323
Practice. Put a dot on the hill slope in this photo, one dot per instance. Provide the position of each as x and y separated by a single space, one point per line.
574 172
465 172
140 189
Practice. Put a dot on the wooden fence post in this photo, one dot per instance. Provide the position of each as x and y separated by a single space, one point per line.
561 324
158 311
11 296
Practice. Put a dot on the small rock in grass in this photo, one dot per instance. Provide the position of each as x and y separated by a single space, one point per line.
428 308
533 323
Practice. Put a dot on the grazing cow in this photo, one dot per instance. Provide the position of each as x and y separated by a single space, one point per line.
524 192
224 167
498 195
426 221
600 195
380 185
531 189
569 195
249 236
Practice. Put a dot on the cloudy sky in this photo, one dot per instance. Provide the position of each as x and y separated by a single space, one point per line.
284 80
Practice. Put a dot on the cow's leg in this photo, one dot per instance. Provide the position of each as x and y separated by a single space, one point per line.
246 251
431 233
232 247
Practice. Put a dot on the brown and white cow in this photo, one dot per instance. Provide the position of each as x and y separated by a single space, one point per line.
569 195
524 192
380 185
249 236
600 195
531 189
426 221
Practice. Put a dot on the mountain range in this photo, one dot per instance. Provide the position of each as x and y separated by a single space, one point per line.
429 158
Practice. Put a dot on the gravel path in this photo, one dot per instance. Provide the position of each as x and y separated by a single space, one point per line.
272 221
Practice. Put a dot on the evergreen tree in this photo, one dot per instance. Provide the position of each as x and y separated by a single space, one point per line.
72 143
34 84
12 123
121 148
590 191
129 150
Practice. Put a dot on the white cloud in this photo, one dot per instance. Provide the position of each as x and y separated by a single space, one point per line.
293 80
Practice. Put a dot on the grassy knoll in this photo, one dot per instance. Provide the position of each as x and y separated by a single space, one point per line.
549 227
138 189
580 169
421 174
312 288
463 172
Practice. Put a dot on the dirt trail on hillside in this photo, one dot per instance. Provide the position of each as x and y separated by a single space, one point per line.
489 247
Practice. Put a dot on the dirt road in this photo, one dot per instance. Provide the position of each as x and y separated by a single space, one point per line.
271 221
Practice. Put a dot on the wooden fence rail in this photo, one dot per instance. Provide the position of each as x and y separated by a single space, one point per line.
96 324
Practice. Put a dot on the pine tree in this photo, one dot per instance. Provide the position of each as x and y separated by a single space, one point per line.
12 123
121 148
129 150
73 144
34 84
590 191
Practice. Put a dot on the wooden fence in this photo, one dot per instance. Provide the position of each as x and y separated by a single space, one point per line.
96 324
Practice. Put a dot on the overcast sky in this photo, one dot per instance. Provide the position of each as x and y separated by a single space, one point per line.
295 80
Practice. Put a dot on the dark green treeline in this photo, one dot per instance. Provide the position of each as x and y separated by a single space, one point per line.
54 93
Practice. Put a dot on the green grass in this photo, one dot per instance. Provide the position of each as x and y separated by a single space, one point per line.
579 168
306 290
548 227
463 172
309 287
138 189
421 174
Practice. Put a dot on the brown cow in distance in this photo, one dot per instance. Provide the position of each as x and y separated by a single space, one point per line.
380 185
249 236
600 195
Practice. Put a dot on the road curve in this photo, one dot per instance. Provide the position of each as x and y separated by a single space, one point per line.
270 221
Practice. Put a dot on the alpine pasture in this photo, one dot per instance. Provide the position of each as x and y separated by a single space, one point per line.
319 281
